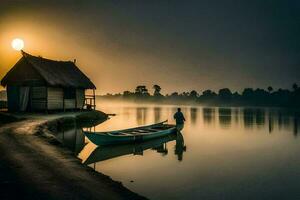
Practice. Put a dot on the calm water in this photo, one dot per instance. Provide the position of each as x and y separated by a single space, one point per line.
222 153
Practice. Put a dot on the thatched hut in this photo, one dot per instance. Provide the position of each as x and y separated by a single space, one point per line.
40 84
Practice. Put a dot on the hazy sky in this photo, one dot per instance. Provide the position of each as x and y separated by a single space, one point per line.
180 45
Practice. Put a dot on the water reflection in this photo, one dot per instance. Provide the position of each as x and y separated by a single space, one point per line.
244 150
141 115
236 140
271 122
286 122
208 115
157 114
71 135
225 117
248 117
296 124
126 112
279 122
194 112
162 149
270 119
236 114
260 117
159 145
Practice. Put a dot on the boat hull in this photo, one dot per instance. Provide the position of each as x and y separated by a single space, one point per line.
102 139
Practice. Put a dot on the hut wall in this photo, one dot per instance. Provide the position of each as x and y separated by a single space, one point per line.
55 98
70 103
70 98
80 98
39 98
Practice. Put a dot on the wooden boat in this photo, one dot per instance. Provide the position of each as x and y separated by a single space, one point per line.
112 151
131 135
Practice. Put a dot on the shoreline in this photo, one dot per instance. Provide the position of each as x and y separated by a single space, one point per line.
34 165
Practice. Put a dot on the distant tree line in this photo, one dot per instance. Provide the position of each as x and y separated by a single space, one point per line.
225 97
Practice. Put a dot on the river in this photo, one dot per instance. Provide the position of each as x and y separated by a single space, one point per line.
222 153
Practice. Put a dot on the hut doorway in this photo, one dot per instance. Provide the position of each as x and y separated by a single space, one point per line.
18 98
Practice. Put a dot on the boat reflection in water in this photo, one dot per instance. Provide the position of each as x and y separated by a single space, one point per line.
72 136
102 153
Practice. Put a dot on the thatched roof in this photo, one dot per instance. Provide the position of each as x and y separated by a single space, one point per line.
55 73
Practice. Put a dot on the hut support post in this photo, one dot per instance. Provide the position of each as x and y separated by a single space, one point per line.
83 101
75 99
46 100
64 101
30 96
94 98
90 100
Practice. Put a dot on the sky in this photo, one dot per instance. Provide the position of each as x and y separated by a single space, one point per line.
179 45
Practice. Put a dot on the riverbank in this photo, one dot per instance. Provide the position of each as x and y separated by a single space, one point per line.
36 166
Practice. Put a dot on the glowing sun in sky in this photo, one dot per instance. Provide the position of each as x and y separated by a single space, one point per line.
17 44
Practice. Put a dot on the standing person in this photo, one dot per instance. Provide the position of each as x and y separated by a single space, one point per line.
178 116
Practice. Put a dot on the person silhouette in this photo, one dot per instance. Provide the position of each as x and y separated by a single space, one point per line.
178 116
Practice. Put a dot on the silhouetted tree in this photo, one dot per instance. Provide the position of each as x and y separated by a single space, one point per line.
295 86
281 97
247 93
260 97
127 94
208 93
295 96
225 94
193 94
141 91
207 96
236 97
270 89
185 94
157 90
174 94
257 97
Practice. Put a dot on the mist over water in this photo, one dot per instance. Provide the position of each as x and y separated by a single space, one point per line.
222 153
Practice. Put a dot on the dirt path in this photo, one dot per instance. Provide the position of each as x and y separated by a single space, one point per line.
32 168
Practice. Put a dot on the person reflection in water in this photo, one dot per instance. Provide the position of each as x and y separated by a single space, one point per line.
179 147
178 116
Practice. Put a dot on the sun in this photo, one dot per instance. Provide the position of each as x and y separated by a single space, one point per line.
17 44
